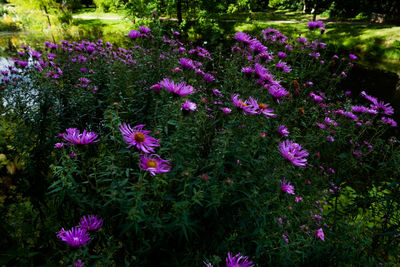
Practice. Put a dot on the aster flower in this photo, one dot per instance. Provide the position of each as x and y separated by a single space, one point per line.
297 199
91 223
285 238
382 107
262 108
226 110
58 145
154 164
281 54
76 237
243 105
294 153
353 57
217 92
189 106
242 37
312 25
180 89
316 98
389 121
144 29
208 77
257 46
138 137
187 63
238 261
283 66
321 125
350 115
287 187
74 137
133 34
283 131
301 39
368 97
276 90
319 234
329 121
78 263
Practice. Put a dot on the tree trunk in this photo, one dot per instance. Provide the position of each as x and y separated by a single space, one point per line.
266 4
179 11
304 6
315 11
48 20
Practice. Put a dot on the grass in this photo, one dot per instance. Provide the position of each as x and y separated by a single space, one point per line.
377 44
93 12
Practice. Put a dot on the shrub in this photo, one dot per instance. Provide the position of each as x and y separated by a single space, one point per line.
187 155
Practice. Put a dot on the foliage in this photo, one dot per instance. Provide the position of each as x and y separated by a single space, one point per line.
224 191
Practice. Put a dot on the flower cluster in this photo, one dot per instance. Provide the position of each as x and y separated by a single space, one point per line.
79 236
138 137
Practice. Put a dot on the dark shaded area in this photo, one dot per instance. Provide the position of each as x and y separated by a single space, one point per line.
383 84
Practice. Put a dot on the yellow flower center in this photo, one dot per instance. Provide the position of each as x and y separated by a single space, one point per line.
139 137
242 104
151 163
262 106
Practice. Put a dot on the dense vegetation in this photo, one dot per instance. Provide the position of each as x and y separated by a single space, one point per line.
185 154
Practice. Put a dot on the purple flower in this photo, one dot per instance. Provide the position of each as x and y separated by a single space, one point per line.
154 164
283 131
74 137
76 237
180 89
91 223
262 108
312 25
78 263
330 139
247 70
282 54
257 46
144 29
316 98
382 107
370 98
287 187
276 90
189 106
353 57
238 261
294 153
297 199
283 66
285 238
390 121
138 137
242 37
133 34
208 77
319 234
187 63
226 110
217 92
58 145
301 39
245 106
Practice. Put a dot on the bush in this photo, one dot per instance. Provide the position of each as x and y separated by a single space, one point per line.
264 157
